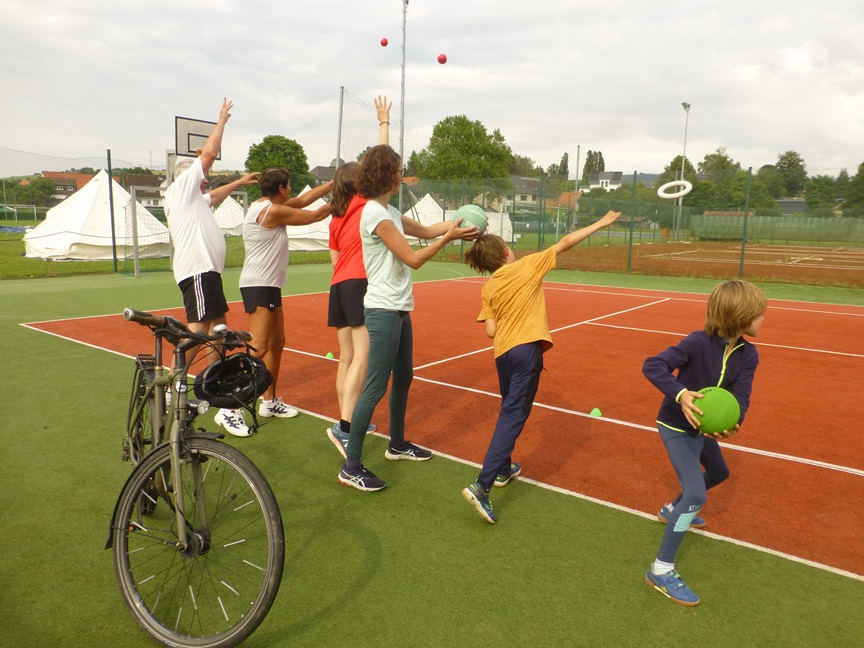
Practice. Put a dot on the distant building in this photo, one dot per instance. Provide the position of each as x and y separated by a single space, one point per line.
606 180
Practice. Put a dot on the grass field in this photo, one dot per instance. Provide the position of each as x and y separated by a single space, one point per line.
410 566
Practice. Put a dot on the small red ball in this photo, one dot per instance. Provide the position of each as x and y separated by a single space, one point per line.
442 59
384 42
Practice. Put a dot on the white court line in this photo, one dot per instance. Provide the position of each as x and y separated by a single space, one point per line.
631 511
557 489
760 344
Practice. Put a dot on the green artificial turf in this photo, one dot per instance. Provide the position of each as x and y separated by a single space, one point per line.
411 566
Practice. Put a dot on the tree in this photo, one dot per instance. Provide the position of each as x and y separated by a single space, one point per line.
791 167
524 167
275 151
559 172
841 186
772 180
673 172
718 167
594 163
819 194
854 205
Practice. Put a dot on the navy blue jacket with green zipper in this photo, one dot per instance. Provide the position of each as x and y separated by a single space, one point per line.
699 361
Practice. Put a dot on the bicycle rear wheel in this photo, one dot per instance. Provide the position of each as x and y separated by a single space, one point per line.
218 590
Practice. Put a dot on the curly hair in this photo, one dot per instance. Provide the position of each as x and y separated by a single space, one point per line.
344 187
272 179
378 171
488 253
732 306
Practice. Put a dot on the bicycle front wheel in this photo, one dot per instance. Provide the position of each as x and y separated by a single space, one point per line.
214 592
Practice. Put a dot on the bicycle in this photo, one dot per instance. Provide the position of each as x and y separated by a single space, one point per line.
196 535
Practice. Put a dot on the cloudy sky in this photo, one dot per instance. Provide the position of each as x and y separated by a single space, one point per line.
762 77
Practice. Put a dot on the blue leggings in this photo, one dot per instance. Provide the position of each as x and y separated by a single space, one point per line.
391 350
518 378
687 454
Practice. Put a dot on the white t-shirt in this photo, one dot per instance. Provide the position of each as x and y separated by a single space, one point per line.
389 279
266 262
199 245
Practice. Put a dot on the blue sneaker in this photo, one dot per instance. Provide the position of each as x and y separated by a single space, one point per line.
672 587
664 513
362 479
503 480
410 452
339 439
479 499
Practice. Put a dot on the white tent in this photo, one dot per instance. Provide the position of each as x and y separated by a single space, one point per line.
79 228
428 212
310 237
229 215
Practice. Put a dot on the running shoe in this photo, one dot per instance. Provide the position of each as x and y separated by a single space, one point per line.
277 408
513 471
362 479
479 499
233 422
410 452
672 587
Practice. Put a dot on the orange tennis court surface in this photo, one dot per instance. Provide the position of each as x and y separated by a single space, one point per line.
797 466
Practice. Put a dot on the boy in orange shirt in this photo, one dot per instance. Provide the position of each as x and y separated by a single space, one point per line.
514 312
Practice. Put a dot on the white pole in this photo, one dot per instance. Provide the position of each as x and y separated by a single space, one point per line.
402 105
339 131
686 107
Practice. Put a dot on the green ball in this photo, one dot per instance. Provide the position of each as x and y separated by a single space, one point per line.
721 410
472 215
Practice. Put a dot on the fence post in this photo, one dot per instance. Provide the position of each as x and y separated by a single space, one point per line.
744 233
632 216
111 210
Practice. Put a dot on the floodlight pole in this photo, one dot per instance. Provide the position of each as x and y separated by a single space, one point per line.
402 104
686 107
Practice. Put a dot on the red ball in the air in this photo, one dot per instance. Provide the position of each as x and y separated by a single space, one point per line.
384 42
442 59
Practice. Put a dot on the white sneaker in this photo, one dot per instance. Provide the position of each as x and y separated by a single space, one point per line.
276 408
232 421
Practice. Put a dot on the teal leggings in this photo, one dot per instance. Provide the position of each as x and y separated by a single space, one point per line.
391 351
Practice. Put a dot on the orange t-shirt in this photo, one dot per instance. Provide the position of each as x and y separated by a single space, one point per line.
514 298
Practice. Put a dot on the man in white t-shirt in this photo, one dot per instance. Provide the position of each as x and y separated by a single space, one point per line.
199 245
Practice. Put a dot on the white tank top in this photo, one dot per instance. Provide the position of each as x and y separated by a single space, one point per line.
266 262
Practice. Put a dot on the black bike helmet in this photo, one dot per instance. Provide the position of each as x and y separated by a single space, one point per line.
233 382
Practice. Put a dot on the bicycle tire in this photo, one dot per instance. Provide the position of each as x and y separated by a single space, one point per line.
217 592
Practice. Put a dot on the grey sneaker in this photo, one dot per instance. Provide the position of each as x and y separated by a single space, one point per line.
339 439
513 471
410 452
362 479
479 499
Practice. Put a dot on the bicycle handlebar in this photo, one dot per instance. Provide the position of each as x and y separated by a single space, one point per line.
177 329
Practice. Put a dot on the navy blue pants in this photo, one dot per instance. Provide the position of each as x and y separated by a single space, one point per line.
518 378
688 455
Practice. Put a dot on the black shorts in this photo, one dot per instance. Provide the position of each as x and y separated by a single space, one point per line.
203 297
266 296
346 303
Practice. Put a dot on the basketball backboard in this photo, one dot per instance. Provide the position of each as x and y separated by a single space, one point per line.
190 135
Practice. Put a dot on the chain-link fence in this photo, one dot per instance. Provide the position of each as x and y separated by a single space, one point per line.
790 240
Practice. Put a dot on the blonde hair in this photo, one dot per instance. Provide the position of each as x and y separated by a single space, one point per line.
488 253
732 307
